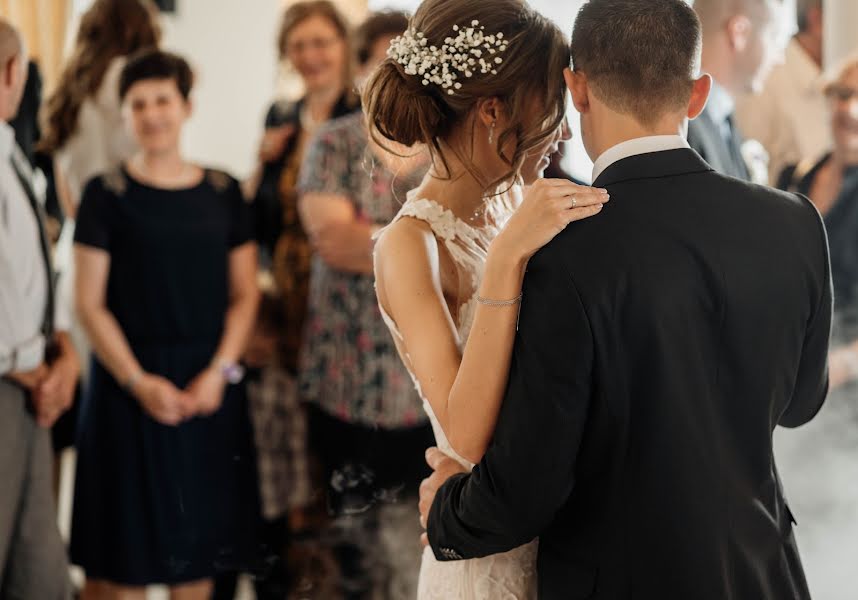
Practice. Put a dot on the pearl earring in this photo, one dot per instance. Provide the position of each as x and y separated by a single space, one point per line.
491 134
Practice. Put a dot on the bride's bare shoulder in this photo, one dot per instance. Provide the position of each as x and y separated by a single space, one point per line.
407 238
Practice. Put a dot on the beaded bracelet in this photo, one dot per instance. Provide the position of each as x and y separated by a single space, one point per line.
487 302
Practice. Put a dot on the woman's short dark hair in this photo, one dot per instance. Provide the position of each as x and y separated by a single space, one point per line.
376 26
156 64
641 58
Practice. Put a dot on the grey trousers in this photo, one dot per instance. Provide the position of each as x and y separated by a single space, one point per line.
33 561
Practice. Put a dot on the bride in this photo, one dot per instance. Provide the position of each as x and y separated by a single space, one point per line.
481 85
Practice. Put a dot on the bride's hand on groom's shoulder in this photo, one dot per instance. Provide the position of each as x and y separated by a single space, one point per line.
443 468
548 207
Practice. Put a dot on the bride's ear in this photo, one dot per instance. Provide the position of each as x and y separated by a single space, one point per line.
576 81
489 110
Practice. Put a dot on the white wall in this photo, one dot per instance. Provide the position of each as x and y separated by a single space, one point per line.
841 16
231 45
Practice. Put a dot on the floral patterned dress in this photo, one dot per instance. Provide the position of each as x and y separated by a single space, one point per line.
349 366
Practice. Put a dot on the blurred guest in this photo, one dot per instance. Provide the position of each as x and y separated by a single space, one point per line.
742 42
313 41
84 134
832 184
27 134
38 367
83 125
789 117
166 289
366 420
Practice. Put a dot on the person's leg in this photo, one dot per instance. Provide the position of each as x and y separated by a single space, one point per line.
13 466
96 589
330 563
274 581
399 547
355 529
36 565
224 586
400 466
195 590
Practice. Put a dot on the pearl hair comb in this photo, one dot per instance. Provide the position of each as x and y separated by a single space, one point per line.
459 58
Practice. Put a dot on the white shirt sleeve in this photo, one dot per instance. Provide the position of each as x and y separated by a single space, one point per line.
20 349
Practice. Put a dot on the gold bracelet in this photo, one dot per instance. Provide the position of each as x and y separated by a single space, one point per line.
487 302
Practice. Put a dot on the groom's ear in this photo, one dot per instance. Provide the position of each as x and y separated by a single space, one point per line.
699 95
576 81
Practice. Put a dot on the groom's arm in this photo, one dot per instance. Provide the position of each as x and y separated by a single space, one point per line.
811 383
528 472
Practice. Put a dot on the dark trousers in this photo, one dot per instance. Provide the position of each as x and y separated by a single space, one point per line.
372 477
271 580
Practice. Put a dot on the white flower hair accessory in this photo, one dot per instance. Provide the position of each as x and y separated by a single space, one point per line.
459 57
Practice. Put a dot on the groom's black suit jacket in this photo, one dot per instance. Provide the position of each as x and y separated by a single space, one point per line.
660 344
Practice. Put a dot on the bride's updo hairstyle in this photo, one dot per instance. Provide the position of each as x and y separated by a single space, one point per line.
410 108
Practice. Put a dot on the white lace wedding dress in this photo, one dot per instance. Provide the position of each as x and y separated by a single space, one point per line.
508 576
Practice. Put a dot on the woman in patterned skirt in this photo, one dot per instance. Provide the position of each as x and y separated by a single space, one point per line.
366 422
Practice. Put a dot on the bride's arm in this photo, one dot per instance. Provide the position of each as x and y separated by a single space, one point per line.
465 390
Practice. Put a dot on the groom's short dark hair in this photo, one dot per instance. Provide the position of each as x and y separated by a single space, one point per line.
640 56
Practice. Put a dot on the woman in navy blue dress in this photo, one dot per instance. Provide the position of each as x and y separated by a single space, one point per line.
166 290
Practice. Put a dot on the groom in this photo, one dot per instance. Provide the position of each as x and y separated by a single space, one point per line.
660 344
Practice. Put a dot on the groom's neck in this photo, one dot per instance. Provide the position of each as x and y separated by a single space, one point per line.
616 128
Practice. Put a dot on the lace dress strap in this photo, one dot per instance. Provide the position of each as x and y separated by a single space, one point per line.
466 245
445 225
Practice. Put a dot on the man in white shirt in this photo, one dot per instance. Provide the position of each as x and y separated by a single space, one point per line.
790 116
742 41
38 367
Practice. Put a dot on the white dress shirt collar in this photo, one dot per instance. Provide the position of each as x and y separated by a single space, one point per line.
633 147
7 140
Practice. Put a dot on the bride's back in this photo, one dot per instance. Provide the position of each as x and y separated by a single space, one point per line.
451 86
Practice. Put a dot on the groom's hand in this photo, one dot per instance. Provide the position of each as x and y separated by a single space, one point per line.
444 467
